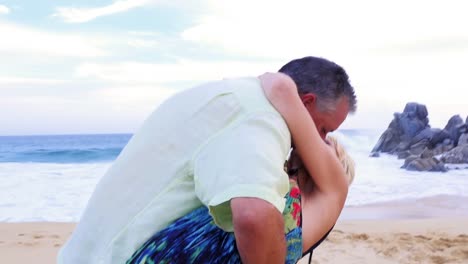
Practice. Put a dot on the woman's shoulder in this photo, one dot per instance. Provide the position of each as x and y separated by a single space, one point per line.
277 83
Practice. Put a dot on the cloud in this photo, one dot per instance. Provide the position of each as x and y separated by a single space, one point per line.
132 96
142 43
446 44
34 81
144 33
330 28
144 39
183 70
24 40
82 15
4 10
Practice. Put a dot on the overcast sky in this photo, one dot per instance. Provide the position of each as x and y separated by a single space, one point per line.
102 66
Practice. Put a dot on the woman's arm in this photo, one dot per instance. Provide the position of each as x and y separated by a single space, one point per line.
318 208
321 205
318 158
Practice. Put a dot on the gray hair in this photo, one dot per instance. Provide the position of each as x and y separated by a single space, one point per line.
326 79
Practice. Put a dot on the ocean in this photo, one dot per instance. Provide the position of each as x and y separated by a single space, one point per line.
51 178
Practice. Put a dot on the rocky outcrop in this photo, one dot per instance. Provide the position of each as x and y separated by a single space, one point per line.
410 137
412 123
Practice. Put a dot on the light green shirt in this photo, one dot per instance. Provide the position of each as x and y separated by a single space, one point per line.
203 146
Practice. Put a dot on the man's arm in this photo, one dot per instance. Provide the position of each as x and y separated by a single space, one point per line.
246 160
259 231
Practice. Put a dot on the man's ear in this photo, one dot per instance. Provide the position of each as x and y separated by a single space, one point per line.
309 99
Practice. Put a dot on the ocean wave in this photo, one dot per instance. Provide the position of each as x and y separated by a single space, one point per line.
62 148
62 155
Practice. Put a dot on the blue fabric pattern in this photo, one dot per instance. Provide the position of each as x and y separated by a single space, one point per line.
194 238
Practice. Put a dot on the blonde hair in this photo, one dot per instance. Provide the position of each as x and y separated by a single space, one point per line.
344 158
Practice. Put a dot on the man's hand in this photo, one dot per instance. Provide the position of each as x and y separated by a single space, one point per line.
259 231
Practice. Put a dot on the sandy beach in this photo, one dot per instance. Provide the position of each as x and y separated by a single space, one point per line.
431 230
438 240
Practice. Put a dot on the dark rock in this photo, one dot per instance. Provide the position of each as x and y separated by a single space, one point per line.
439 137
409 160
458 131
413 119
429 164
374 155
453 122
427 153
403 154
416 110
394 124
387 142
411 127
452 131
457 155
427 133
404 145
463 128
463 140
453 126
441 148
419 147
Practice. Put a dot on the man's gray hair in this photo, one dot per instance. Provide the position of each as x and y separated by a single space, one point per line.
327 80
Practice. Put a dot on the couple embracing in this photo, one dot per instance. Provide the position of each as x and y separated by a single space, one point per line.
204 181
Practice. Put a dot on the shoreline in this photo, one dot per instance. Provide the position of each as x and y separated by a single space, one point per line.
438 206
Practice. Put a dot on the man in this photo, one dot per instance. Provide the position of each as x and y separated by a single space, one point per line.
220 145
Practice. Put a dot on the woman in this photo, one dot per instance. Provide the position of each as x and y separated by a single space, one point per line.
313 203
308 192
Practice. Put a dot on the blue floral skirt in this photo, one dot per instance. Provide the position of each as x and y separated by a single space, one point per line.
194 238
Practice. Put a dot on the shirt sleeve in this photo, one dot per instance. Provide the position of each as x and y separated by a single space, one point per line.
245 160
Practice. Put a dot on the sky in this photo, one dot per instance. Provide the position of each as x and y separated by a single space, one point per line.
102 66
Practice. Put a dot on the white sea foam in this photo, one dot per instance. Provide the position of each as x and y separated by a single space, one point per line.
381 179
46 191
